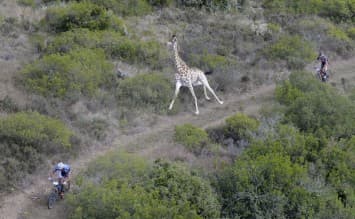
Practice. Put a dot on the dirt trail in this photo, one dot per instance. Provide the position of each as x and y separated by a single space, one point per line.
30 203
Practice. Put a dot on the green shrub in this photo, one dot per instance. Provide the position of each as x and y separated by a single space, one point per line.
26 138
338 11
323 32
258 182
266 187
287 93
295 7
240 126
211 62
33 128
79 72
150 92
125 201
338 34
316 107
125 7
120 185
81 15
274 28
351 33
191 137
175 183
292 49
114 44
161 3
78 38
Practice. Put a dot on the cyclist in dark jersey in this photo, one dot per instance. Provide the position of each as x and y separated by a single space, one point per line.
324 64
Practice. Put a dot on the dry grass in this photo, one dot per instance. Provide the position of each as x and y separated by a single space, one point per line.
15 48
10 8
342 73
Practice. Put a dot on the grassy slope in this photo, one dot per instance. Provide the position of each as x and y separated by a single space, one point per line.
146 143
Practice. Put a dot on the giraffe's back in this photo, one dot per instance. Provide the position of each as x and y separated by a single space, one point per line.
197 76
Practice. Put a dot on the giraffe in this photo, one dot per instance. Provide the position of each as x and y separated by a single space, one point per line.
188 77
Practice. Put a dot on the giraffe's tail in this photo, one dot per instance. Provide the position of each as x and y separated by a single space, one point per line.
208 72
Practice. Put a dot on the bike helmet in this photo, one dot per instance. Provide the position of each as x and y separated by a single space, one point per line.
60 166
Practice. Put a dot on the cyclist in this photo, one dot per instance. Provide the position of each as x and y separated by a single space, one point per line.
61 171
324 64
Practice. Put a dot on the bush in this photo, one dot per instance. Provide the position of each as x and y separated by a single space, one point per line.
267 186
125 201
161 3
176 184
338 11
323 32
124 186
240 126
270 178
81 15
150 92
351 33
312 107
79 72
292 49
211 62
26 138
125 7
33 128
114 44
191 137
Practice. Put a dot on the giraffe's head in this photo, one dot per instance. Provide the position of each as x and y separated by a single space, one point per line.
173 42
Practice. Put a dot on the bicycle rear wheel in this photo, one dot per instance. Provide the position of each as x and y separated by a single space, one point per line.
67 186
52 198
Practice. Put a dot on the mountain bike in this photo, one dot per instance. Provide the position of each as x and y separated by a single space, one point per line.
322 76
55 194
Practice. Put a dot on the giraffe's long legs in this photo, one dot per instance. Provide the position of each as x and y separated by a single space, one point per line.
205 91
210 89
194 96
177 89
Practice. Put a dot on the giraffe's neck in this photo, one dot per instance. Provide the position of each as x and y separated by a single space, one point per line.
180 64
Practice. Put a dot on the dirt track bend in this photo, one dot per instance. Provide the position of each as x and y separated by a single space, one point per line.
21 205
30 203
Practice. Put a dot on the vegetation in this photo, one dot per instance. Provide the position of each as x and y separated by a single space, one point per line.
136 188
126 7
240 126
151 92
339 11
314 108
81 15
291 49
294 162
277 178
79 72
114 44
26 139
192 137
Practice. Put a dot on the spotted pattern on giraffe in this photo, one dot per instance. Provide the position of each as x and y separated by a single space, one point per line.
189 77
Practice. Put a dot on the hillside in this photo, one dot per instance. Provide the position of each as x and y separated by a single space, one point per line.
91 86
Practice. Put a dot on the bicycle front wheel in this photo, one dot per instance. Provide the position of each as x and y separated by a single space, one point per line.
52 198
